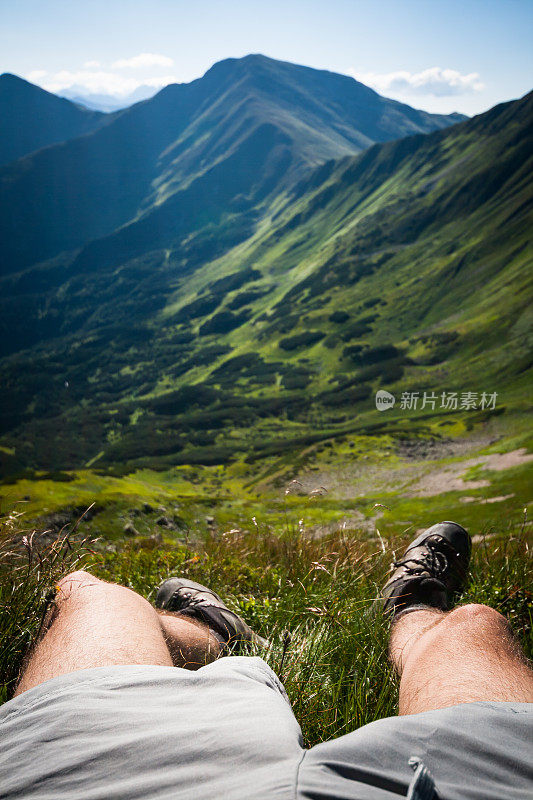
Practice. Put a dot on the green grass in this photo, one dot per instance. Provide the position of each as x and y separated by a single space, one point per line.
370 480
422 243
281 580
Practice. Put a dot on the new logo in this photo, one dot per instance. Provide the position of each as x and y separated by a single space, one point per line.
384 400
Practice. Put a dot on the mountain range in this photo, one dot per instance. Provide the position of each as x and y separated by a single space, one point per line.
227 141
232 268
97 101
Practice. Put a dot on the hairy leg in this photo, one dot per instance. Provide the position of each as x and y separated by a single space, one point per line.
462 656
191 644
95 624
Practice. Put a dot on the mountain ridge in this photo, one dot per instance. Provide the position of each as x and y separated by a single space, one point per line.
32 118
88 187
404 267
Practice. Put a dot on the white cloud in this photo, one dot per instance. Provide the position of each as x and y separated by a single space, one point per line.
95 79
36 75
163 80
143 60
435 81
101 82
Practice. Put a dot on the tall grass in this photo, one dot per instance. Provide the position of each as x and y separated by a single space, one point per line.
311 597
31 563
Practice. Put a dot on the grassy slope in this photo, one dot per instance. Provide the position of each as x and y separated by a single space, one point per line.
422 243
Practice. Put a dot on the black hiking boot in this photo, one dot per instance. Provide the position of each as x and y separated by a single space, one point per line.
431 572
194 600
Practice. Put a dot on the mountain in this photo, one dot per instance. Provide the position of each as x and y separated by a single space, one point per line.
31 118
108 102
222 144
406 267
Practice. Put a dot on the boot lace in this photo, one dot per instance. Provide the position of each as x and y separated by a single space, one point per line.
434 561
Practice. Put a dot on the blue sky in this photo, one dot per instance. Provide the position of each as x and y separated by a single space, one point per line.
441 56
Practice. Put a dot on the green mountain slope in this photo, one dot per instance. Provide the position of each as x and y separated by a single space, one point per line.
31 118
407 268
191 154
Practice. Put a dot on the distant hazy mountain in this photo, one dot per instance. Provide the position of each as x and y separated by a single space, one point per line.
406 267
190 155
107 102
31 118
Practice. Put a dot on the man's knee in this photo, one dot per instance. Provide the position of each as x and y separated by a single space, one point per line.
80 592
71 585
475 616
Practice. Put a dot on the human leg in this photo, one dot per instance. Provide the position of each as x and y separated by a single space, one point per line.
448 657
191 644
465 695
93 623
117 729
465 655
192 600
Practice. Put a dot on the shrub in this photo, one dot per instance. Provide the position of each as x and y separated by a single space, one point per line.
339 317
331 341
389 371
296 380
207 456
305 339
183 399
375 354
224 322
246 297
237 364
357 329
198 308
353 352
234 281
346 396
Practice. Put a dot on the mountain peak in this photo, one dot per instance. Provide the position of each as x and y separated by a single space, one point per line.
32 118
243 130
11 82
10 76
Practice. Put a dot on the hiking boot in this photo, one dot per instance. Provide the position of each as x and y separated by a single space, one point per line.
431 572
194 600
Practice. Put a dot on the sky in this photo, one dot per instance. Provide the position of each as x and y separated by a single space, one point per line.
458 55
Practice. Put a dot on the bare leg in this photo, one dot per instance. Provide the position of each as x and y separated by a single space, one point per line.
95 624
191 644
464 655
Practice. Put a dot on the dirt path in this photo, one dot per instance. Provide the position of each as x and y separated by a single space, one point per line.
451 478
416 472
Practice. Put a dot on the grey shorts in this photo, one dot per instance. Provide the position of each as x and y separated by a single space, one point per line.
227 731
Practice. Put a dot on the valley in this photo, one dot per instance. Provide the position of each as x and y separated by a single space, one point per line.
181 329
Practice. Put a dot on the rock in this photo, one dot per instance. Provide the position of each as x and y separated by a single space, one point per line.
57 520
165 522
147 508
210 520
130 529
150 542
